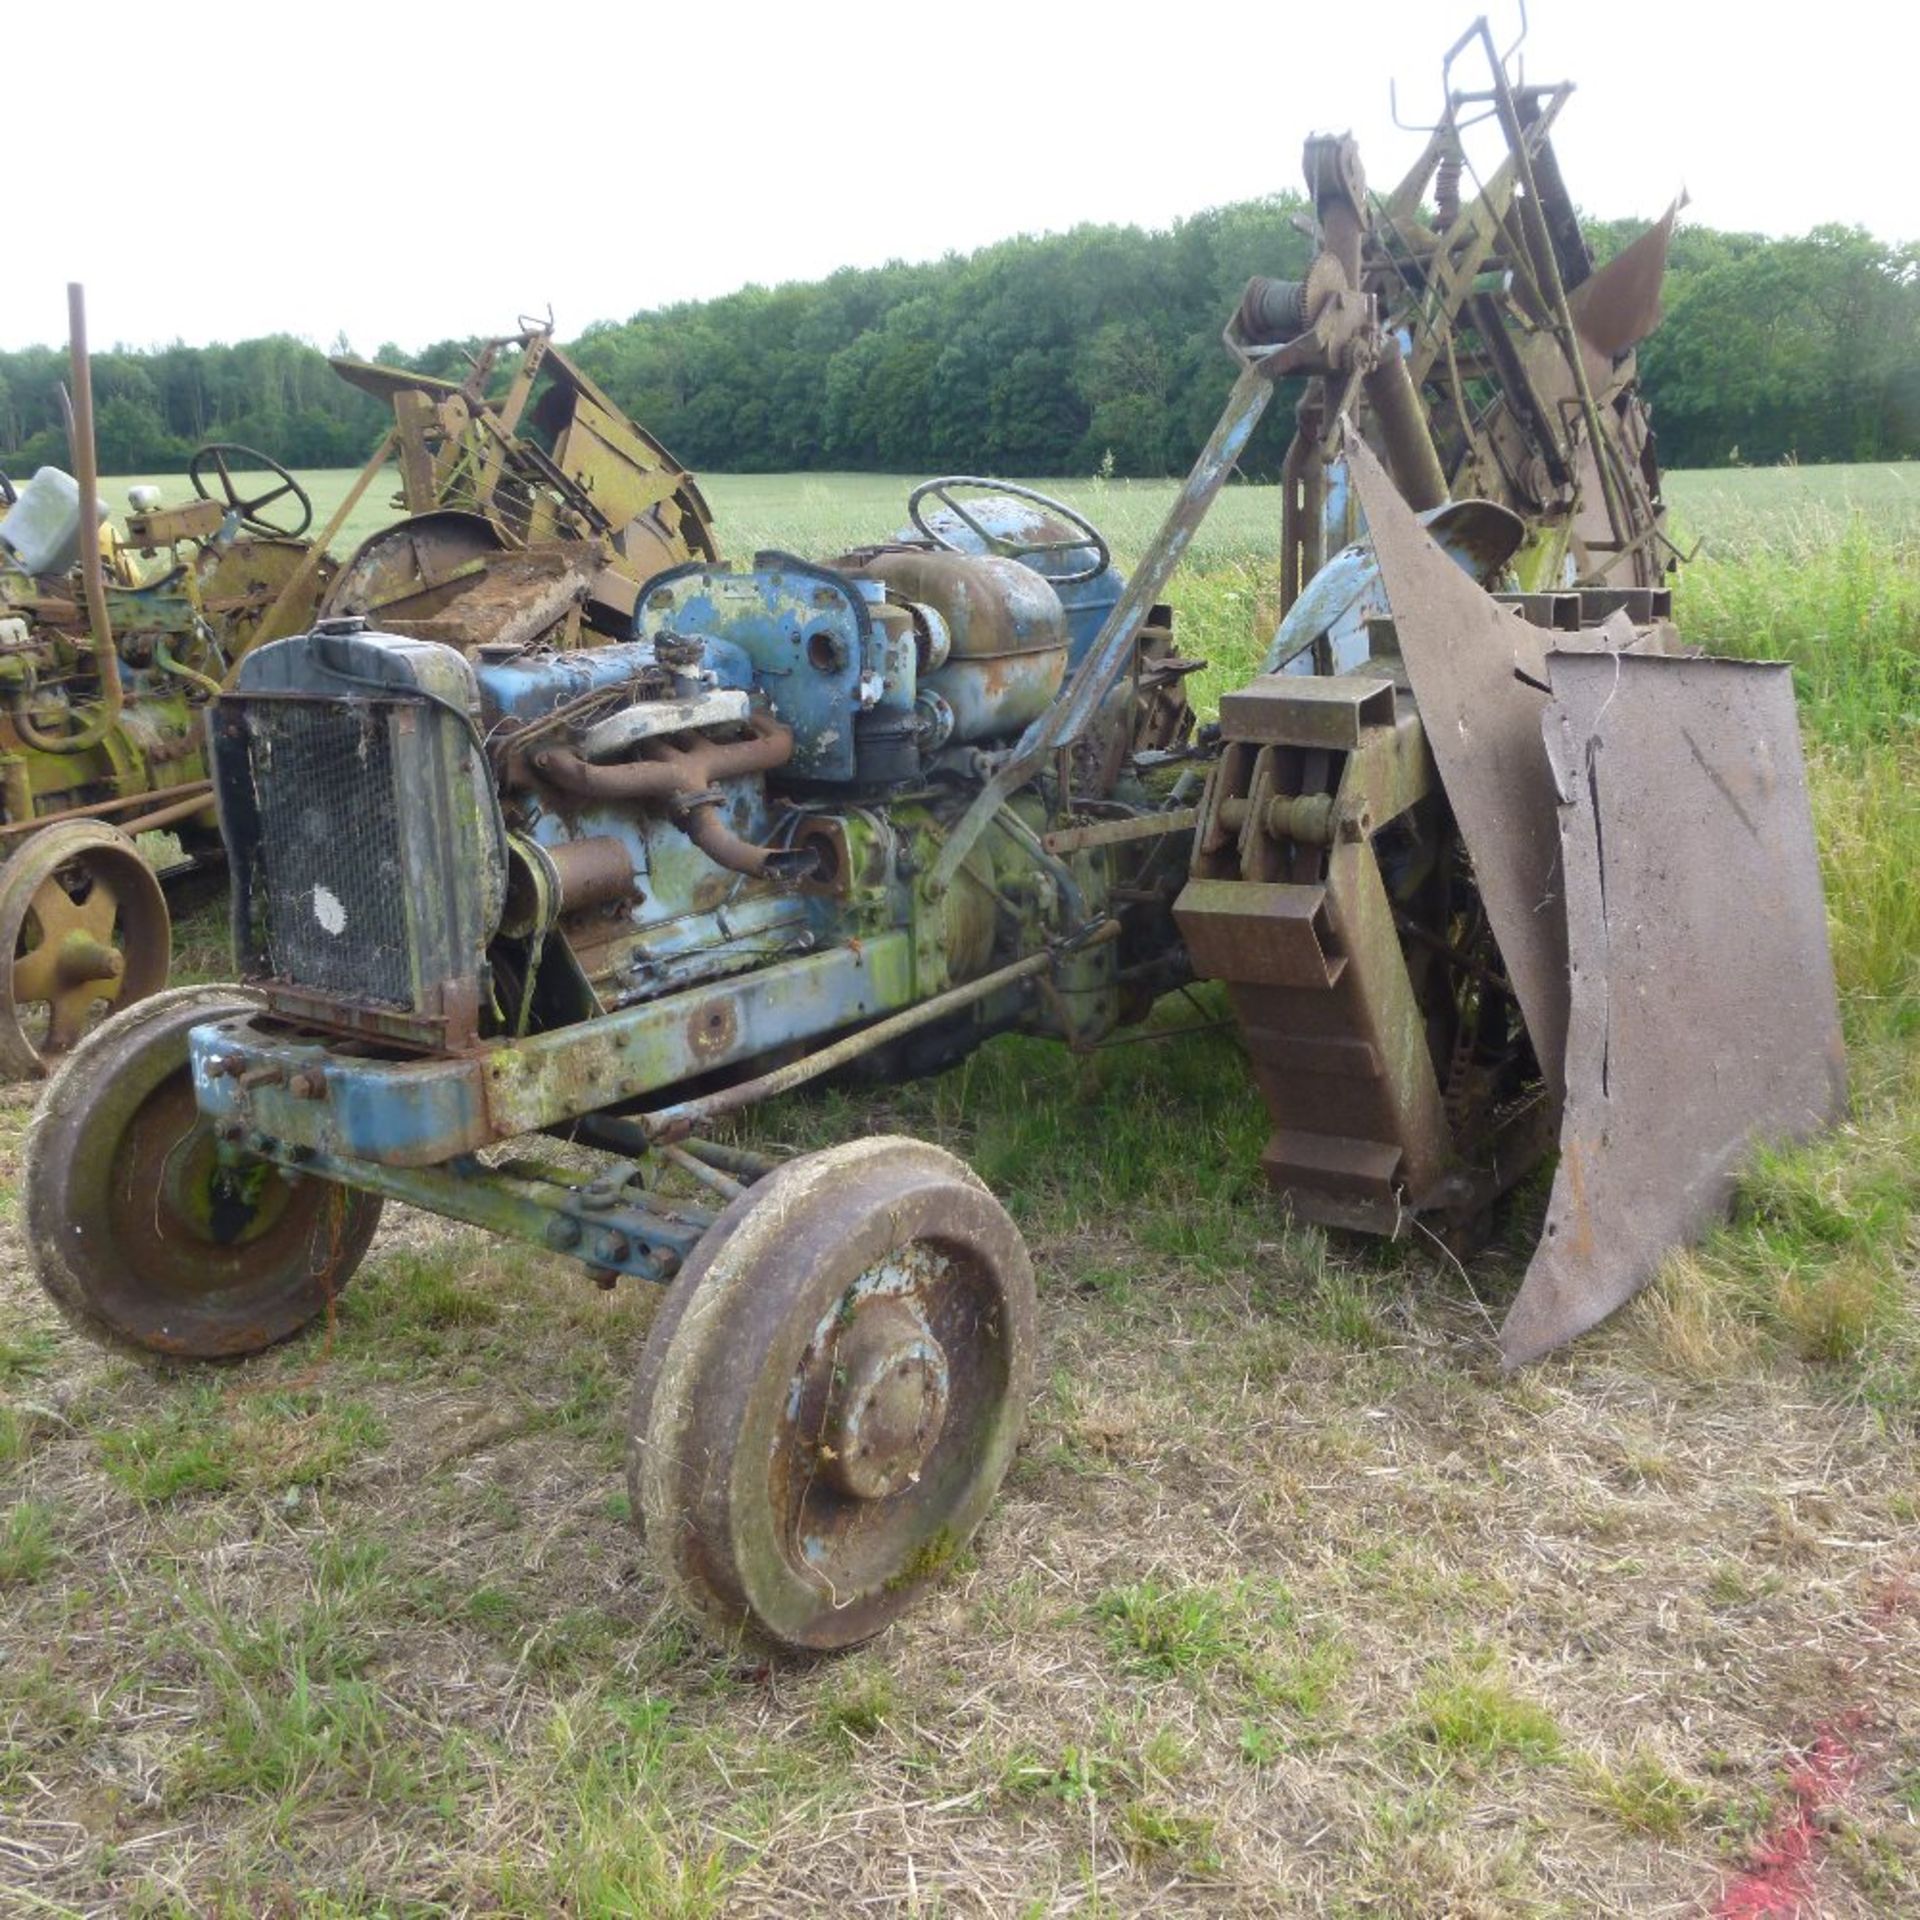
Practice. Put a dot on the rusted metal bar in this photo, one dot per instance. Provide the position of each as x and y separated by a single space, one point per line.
1404 431
708 1176
86 467
1146 1036
1079 701
1113 833
1547 260
675 1122
171 815
622 1135
742 1161
200 791
87 471
310 563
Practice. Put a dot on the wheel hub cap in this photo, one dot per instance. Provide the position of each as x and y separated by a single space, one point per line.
889 1400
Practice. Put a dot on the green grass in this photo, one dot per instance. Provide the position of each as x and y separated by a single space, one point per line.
1474 1717
24 1355
1161 1632
209 1441
1644 1795
27 1549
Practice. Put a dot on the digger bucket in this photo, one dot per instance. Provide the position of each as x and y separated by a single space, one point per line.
1639 827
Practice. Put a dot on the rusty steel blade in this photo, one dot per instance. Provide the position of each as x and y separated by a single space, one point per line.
1483 725
1704 1018
1619 305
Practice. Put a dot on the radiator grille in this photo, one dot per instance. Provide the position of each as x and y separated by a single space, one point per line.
336 903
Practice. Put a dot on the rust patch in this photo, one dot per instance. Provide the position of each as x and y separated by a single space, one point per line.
712 1029
1703 1013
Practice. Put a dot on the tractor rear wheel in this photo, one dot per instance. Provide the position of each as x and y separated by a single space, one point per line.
832 1393
84 930
146 1235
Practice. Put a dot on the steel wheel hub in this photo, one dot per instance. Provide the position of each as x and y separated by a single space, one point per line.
889 1400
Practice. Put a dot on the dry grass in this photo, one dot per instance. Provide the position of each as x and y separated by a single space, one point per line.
1269 1620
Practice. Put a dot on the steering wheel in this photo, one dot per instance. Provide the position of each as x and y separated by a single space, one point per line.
250 507
942 490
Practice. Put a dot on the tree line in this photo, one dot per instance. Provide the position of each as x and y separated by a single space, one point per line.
1096 350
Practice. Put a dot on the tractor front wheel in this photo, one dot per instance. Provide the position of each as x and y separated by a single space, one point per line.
832 1393
149 1235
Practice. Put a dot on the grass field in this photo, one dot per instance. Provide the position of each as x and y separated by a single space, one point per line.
1732 509
1292 1603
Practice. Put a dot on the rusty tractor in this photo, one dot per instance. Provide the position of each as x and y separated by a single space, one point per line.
534 513
522 928
106 669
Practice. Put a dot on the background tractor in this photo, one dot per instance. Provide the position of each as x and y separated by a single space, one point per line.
111 645
534 512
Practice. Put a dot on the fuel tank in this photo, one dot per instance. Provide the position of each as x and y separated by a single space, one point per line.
1007 653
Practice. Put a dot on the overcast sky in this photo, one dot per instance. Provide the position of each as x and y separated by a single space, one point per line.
399 172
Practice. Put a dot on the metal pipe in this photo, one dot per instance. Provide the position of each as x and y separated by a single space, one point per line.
680 1119
629 1137
593 872
742 1161
706 826
86 470
164 656
1404 433
707 1176
168 815
673 772
686 777
202 791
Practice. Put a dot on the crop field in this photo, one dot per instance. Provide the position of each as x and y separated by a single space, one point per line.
1292 1604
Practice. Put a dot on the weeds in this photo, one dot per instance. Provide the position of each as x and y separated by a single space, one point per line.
1643 1794
27 1550
1473 1715
208 1442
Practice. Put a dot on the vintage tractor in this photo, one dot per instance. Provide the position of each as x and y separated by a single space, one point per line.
613 895
520 927
111 647
537 511
533 509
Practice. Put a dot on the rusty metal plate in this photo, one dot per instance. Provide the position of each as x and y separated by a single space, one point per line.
1704 1019
1483 726
1615 634
1616 307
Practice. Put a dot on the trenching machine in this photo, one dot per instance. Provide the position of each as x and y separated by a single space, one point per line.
522 926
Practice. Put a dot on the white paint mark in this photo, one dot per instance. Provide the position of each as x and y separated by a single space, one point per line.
328 910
